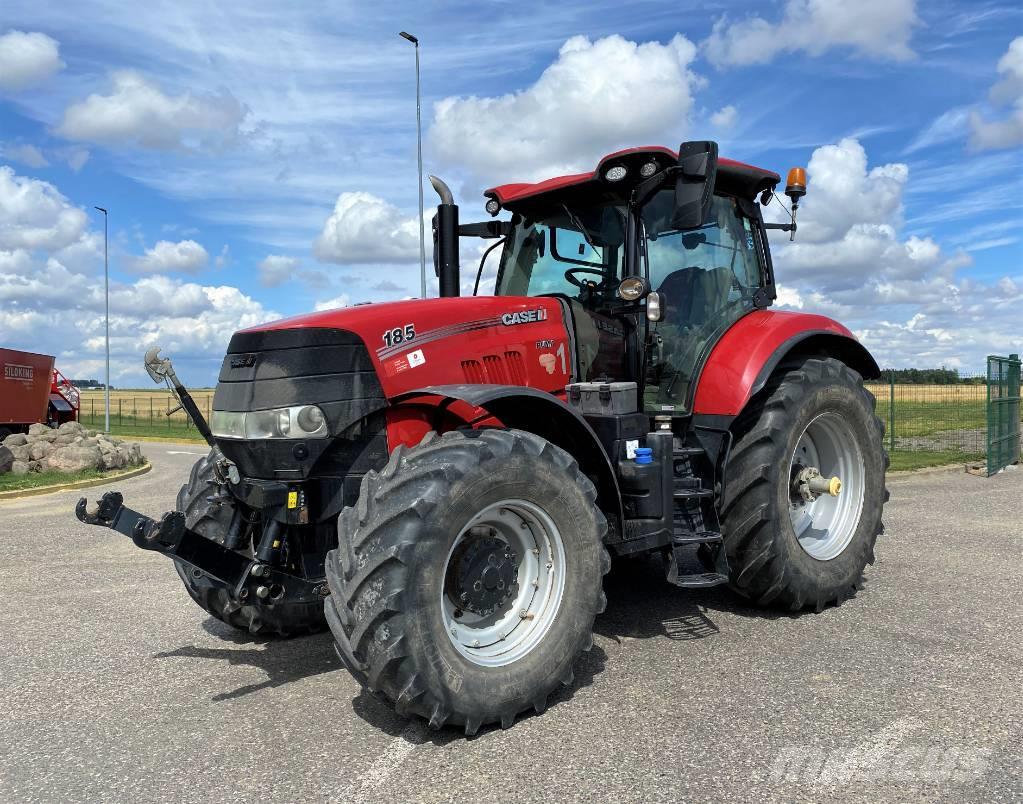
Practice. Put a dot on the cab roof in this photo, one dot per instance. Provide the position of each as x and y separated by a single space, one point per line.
733 178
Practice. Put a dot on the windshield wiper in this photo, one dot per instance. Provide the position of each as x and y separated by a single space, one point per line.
582 229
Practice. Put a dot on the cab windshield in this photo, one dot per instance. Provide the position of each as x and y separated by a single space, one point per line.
576 252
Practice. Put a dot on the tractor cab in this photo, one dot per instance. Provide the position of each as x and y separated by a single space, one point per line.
650 291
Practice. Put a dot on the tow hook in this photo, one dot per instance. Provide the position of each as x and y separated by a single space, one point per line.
810 484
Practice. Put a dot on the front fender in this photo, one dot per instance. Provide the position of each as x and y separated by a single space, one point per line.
548 417
741 362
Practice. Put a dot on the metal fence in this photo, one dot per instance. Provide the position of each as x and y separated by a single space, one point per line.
1003 412
948 415
949 418
143 413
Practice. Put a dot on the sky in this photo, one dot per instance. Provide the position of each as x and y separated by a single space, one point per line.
258 159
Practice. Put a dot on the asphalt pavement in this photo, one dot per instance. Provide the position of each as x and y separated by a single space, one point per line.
115 686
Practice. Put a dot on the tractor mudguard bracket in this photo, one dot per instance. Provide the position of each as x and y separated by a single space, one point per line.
250 579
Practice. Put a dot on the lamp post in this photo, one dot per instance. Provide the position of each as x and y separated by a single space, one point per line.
419 153
106 296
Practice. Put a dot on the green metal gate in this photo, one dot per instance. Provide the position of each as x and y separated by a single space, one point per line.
1003 412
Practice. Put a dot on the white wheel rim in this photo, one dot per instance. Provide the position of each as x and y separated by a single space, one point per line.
825 526
521 621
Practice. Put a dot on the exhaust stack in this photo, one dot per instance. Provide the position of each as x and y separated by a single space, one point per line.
445 240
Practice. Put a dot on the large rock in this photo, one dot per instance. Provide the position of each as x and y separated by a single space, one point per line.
71 427
19 468
39 450
6 460
113 460
40 432
75 458
15 440
21 452
63 439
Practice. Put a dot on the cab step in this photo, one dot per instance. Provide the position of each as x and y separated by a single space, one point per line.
687 452
700 580
702 537
686 494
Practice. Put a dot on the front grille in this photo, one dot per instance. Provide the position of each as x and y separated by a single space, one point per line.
267 369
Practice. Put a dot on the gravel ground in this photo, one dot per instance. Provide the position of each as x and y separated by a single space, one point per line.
116 687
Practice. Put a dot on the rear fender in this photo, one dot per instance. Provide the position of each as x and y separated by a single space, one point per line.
436 408
741 363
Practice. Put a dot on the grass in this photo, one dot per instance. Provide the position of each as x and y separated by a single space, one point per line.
129 427
923 410
905 461
13 482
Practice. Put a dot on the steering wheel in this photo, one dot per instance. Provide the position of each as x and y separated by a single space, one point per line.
572 279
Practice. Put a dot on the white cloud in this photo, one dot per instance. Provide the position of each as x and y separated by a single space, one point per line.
724 117
185 256
27 59
903 296
138 112
332 304
275 270
844 193
788 297
366 229
75 157
46 307
1008 131
950 125
35 215
24 153
597 95
875 28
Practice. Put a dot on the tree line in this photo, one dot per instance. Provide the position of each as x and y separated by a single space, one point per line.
938 376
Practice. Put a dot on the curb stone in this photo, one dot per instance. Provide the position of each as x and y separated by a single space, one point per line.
78 484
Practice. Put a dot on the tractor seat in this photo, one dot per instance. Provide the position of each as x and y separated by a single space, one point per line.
694 294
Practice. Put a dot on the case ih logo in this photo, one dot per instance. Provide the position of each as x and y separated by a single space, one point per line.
525 317
13 371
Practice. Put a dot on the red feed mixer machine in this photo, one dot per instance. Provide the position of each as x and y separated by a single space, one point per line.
32 391
443 482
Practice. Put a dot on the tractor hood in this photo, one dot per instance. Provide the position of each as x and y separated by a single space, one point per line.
509 340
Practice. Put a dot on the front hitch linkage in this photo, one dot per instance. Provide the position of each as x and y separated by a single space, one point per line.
247 577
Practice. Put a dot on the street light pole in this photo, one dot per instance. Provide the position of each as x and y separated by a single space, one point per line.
419 154
106 295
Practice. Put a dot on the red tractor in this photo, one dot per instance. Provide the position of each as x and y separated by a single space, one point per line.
444 482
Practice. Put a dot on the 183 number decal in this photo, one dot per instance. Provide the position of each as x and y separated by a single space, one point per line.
398 335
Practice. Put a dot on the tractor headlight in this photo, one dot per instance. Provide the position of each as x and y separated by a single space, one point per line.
633 288
299 421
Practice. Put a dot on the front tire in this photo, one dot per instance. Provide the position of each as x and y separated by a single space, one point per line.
211 519
432 587
785 550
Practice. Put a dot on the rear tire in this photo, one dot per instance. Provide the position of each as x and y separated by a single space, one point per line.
212 521
391 582
823 563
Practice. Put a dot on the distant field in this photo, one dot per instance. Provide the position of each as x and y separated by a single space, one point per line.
143 412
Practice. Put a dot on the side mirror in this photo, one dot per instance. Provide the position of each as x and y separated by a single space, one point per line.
694 185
